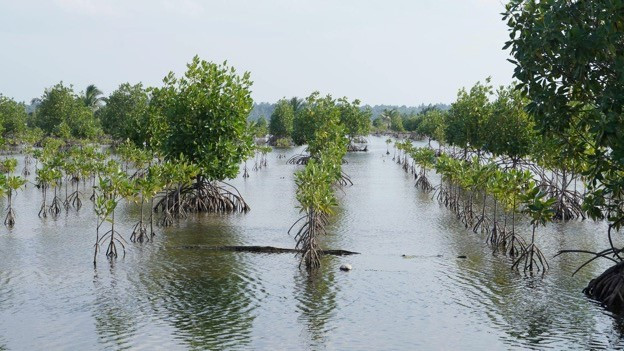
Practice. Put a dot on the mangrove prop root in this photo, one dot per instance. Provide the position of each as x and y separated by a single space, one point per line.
423 183
313 225
608 288
344 179
203 196
532 260
300 159
113 238
9 220
139 233
55 206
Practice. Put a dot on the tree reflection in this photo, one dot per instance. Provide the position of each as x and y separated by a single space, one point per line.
114 311
207 296
316 296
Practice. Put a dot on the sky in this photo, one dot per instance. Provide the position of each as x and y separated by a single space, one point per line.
400 52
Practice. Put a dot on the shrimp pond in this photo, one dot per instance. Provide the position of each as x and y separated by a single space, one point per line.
408 288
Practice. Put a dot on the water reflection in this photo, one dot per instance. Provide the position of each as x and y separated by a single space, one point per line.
205 295
316 296
114 310
525 308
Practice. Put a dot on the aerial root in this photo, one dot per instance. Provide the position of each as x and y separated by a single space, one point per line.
9 220
307 238
139 233
532 259
300 159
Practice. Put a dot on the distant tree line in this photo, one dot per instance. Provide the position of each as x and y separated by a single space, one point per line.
265 109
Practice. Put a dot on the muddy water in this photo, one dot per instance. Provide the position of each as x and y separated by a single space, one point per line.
165 296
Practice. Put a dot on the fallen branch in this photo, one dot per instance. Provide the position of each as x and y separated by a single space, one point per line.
261 249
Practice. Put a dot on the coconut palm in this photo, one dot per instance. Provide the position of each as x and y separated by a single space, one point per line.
387 115
296 103
92 97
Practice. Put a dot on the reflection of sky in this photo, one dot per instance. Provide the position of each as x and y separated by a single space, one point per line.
395 52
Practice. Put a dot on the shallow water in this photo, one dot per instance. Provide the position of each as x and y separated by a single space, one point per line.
164 296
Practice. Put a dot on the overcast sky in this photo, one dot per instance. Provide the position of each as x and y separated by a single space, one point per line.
403 52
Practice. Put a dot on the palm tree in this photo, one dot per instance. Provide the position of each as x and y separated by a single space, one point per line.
92 97
296 104
387 115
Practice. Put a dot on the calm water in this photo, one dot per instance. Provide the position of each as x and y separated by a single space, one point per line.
163 296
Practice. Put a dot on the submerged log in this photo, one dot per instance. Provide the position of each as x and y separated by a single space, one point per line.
262 249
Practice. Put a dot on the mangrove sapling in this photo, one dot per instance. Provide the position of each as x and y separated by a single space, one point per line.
167 174
152 185
27 161
388 142
44 178
540 211
245 172
8 166
102 208
425 158
11 185
517 182
256 167
443 167
112 189
495 186
316 199
139 231
55 205
68 170
264 150
480 177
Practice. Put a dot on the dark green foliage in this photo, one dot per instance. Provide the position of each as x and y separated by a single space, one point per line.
512 132
124 116
206 115
92 97
354 118
570 63
12 117
282 119
466 120
259 128
63 114
432 125
411 122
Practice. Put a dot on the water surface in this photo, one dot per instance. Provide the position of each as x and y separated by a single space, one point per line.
164 296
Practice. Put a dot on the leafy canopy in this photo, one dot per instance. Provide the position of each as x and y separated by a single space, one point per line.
206 117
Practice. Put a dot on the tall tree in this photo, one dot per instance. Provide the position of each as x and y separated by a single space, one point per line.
296 103
570 63
387 115
281 124
124 115
510 128
63 114
206 114
12 116
356 120
466 119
